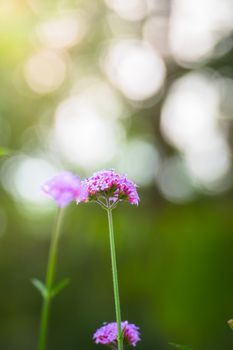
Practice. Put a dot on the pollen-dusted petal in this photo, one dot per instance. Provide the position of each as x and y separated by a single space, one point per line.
64 188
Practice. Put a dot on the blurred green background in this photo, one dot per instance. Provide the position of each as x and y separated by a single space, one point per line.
144 86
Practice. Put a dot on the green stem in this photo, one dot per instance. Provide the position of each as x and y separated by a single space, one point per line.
51 268
115 281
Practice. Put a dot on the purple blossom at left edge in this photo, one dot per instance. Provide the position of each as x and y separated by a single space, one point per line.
64 188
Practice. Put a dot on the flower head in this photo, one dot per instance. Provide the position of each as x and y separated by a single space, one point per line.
64 188
112 187
107 334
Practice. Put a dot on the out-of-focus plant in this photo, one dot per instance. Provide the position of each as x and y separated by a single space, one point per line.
63 188
4 151
107 188
180 347
230 323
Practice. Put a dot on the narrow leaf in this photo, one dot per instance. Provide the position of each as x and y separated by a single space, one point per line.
180 347
40 287
58 288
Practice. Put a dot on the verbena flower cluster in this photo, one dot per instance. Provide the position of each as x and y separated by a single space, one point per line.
107 334
104 185
64 188
107 184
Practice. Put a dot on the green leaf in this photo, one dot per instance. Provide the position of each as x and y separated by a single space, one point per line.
58 288
180 347
40 287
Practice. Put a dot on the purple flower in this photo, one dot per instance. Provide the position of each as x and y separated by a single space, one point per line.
109 186
107 334
64 188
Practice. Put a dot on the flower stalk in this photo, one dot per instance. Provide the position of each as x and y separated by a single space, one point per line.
108 189
115 281
50 275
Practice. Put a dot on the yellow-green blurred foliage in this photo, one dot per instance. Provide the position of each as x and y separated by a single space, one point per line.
144 86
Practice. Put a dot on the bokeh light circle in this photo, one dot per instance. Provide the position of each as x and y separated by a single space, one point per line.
135 68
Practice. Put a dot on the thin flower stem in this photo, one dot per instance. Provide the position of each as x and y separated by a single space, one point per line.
115 281
101 203
51 268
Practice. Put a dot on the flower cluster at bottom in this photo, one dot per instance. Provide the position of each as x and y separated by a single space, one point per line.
107 334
